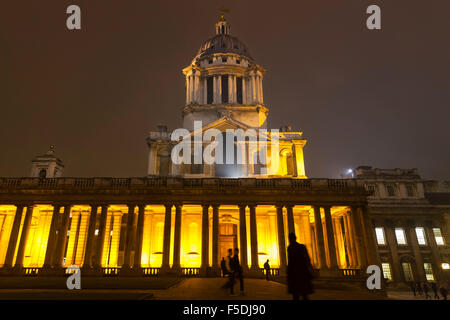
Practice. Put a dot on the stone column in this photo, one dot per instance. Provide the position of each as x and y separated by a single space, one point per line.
139 235
254 99
420 271
350 242
215 237
128 237
166 242
321 256
24 237
390 237
281 239
101 238
62 237
52 237
356 226
205 239
90 237
290 218
243 236
230 89
330 239
196 90
177 238
187 90
260 90
373 257
244 92
13 238
205 90
253 238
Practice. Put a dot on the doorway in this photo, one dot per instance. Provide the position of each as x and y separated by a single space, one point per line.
227 238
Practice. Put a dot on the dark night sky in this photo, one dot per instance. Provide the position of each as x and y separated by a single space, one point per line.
361 97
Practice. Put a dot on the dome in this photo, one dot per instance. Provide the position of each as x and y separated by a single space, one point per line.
223 43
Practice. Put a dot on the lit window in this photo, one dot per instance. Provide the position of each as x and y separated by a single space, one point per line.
410 190
445 266
390 190
438 236
428 271
420 232
407 271
400 235
96 232
380 236
386 271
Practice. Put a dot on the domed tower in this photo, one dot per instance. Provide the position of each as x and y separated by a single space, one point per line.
223 80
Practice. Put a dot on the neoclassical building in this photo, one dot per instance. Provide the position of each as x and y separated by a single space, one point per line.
181 218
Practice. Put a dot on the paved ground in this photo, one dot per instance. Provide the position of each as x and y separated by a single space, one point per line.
197 289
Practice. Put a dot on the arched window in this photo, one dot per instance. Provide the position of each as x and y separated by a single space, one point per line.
42 173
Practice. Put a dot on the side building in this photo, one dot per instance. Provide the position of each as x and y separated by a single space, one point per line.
410 217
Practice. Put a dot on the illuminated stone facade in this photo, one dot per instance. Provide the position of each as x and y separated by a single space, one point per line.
410 216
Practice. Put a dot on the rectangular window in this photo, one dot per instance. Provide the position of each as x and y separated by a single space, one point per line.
225 89
380 236
390 190
400 235
371 189
420 233
428 271
407 271
239 90
410 190
210 90
438 236
386 271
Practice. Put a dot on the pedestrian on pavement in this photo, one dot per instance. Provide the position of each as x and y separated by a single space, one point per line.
223 267
426 289
237 272
435 290
419 288
267 268
443 290
229 270
299 269
413 288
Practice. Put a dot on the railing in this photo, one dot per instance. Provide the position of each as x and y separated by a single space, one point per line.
150 271
350 272
189 272
31 272
110 271
334 185
272 271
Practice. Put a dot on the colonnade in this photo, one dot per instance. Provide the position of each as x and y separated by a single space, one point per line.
197 88
326 244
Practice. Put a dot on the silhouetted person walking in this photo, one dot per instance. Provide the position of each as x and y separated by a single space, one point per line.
237 272
435 290
223 267
299 269
413 288
267 268
443 291
419 288
426 290
229 270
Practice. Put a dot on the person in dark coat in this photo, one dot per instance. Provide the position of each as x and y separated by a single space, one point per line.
229 270
267 268
223 267
426 290
443 290
299 269
419 288
435 290
237 272
413 288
